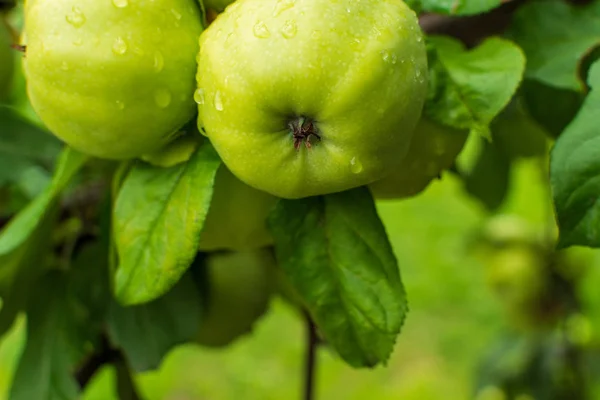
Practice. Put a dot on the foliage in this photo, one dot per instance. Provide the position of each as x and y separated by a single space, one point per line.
104 258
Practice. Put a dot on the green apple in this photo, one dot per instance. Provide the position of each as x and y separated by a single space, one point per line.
237 215
7 63
114 78
238 294
217 5
310 97
434 148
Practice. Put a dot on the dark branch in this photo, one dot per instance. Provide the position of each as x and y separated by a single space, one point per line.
102 356
312 343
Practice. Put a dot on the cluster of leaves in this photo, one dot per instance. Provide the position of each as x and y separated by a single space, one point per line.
94 251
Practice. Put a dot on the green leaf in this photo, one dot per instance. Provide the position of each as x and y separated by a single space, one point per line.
53 343
22 139
336 253
469 88
551 107
159 214
489 179
575 173
454 7
26 222
517 134
147 332
22 266
556 36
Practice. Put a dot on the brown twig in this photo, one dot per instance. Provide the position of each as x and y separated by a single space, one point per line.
312 343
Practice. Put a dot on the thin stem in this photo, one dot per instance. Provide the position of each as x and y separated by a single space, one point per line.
126 387
312 343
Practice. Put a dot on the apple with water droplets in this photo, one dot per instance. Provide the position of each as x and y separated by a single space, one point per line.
237 217
308 97
237 288
113 79
433 149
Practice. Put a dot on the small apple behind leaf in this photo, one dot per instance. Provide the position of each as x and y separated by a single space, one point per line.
113 79
237 293
237 216
433 149
7 64
309 97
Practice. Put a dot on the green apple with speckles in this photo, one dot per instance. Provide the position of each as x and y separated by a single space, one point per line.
433 149
113 79
7 64
237 294
309 97
237 216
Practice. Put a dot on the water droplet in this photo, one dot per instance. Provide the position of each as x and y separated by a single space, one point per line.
119 46
282 5
199 96
419 38
289 29
78 42
218 101
159 61
389 57
315 34
138 51
75 17
64 66
355 166
120 105
261 31
176 14
418 72
162 98
120 3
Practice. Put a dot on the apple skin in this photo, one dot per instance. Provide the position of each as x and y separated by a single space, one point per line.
433 149
357 70
217 5
237 216
238 294
7 65
112 82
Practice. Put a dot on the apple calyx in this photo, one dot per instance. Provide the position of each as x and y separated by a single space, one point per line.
302 128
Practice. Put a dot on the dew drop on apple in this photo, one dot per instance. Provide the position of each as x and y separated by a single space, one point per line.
289 29
75 17
64 66
120 105
218 101
119 46
120 3
282 5
176 14
355 166
78 42
162 98
261 31
159 61
199 96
